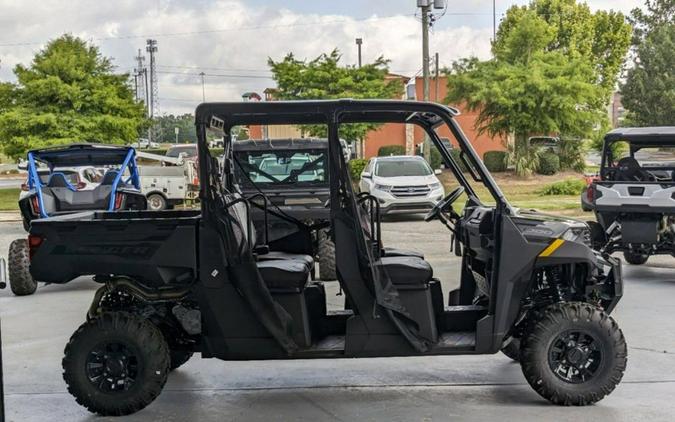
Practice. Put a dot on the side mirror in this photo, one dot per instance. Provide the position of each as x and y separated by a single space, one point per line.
438 171
366 176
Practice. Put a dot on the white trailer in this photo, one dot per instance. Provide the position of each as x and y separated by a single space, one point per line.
167 186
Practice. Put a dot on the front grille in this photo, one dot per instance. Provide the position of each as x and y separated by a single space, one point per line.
410 191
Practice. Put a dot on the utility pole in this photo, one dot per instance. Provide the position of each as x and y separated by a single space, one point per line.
359 41
203 93
436 77
139 77
151 47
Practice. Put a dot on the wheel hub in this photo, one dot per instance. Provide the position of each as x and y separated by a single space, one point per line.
112 367
575 356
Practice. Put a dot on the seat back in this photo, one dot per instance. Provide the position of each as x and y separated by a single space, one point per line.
109 177
58 180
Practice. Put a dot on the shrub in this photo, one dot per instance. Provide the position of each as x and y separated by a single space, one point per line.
496 161
356 166
572 155
455 152
565 187
549 163
388 150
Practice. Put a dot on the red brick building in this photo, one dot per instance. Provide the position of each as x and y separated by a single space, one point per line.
398 134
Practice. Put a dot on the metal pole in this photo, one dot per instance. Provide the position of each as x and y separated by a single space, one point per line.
425 69
436 74
203 92
359 41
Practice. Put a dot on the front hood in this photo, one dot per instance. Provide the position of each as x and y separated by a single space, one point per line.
406 180
537 225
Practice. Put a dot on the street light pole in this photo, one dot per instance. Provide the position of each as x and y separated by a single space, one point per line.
203 93
426 149
359 41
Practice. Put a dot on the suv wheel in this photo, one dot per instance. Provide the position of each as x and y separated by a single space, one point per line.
116 364
156 202
635 258
20 280
326 250
573 354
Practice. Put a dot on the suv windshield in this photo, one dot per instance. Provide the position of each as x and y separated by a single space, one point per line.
281 167
188 150
395 168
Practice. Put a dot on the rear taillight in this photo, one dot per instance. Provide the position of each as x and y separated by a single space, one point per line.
34 243
589 193
35 205
24 187
118 200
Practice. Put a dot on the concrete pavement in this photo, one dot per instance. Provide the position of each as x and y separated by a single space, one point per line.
477 388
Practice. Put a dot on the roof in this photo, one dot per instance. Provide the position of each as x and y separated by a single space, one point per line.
398 157
319 111
81 154
290 144
647 135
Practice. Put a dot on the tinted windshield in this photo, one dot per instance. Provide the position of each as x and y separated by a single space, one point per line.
282 167
189 151
395 168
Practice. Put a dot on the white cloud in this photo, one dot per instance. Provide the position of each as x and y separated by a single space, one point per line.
227 37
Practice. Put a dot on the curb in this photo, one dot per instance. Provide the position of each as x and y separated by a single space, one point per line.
9 216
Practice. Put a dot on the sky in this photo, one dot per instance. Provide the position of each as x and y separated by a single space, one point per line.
231 40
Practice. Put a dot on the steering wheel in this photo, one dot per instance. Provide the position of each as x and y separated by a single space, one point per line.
444 204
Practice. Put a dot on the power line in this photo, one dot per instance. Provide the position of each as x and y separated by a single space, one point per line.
215 75
214 31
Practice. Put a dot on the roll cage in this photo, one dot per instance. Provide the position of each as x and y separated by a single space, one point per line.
76 155
637 139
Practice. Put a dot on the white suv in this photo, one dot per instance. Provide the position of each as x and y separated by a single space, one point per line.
402 184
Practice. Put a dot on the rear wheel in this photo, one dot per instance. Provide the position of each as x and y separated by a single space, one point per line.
573 354
156 202
326 251
116 364
20 280
635 258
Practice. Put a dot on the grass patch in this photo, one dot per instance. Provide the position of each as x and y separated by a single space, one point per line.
564 187
9 199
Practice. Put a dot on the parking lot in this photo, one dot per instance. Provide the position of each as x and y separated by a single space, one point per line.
36 328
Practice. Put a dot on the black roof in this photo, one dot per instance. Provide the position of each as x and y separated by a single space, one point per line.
287 144
317 112
82 154
646 135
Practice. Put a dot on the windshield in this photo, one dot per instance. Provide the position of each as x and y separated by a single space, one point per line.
189 151
395 168
282 167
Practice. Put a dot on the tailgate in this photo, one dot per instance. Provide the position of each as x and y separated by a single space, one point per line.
641 197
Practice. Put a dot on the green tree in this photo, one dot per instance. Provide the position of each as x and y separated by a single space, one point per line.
69 93
649 90
601 38
185 124
324 78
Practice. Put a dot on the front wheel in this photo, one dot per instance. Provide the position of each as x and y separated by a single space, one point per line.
20 280
116 364
635 258
573 354
326 251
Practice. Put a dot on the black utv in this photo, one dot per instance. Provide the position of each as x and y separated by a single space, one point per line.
287 179
180 282
634 197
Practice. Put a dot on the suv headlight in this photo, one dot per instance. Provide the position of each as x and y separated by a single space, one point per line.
579 235
384 188
434 186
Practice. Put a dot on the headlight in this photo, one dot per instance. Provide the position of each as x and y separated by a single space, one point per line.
384 188
579 235
434 186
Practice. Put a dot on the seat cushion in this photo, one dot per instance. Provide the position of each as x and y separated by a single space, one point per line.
401 252
406 270
284 274
278 255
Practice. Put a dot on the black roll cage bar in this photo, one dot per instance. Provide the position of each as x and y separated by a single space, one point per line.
221 117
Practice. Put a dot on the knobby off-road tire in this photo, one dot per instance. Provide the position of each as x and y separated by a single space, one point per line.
116 364
179 358
20 280
512 350
635 258
569 334
326 250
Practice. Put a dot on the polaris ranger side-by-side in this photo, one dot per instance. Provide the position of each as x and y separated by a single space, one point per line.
180 282
634 197
291 175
